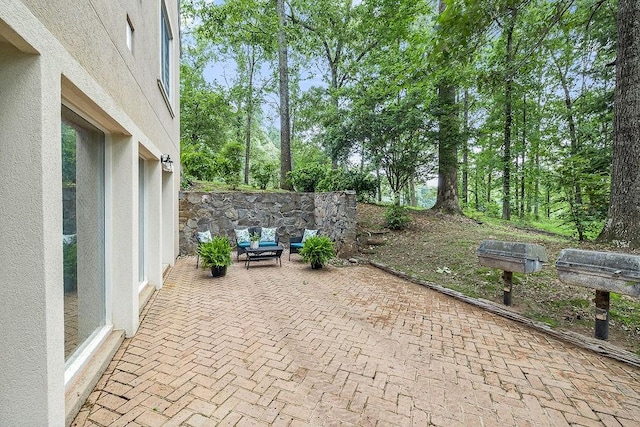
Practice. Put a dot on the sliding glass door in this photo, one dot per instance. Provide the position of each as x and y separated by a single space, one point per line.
83 225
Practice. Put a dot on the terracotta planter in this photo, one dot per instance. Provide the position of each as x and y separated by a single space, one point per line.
218 271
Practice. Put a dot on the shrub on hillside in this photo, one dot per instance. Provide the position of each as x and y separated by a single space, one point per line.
229 163
262 173
396 217
338 180
197 164
306 178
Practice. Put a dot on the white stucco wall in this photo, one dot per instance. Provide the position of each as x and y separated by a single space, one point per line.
130 78
31 387
73 52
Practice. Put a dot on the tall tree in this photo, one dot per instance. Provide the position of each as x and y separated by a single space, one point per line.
340 35
465 148
623 218
396 138
240 30
285 122
510 49
448 138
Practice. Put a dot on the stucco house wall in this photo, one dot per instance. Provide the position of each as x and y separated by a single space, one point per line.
73 55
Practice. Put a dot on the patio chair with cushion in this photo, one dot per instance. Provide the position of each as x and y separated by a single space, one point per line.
268 237
297 242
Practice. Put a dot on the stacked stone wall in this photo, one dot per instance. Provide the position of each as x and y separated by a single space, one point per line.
221 213
335 216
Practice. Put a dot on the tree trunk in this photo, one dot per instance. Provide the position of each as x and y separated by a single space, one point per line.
475 193
336 106
285 129
536 189
536 153
412 193
465 151
517 188
249 112
623 218
548 202
572 133
379 184
523 159
508 88
447 199
448 136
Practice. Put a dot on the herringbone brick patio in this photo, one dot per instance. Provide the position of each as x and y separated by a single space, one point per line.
291 346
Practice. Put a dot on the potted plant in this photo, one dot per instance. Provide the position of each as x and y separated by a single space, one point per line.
254 239
317 250
217 255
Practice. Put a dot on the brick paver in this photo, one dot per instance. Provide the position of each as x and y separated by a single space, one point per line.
291 346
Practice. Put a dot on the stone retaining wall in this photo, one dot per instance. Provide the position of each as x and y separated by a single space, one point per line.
334 214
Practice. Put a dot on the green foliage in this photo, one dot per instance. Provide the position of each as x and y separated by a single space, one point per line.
396 217
392 123
220 186
254 237
582 195
492 209
388 62
206 116
228 163
263 172
306 178
198 164
317 250
68 154
216 253
186 180
70 264
625 310
363 183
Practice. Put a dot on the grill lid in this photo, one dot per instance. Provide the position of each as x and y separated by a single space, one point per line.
517 250
615 265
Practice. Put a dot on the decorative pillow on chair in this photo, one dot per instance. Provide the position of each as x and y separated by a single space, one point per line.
242 235
204 236
308 233
268 235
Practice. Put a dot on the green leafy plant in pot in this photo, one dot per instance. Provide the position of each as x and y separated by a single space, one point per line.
317 250
217 255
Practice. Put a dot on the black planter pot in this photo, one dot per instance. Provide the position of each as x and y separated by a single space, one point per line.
316 265
218 271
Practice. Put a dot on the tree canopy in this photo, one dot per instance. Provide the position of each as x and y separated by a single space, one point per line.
515 95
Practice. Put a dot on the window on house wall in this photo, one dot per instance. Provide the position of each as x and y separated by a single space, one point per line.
166 49
83 228
129 31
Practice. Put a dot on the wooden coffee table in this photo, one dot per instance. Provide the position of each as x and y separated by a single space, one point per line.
263 253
